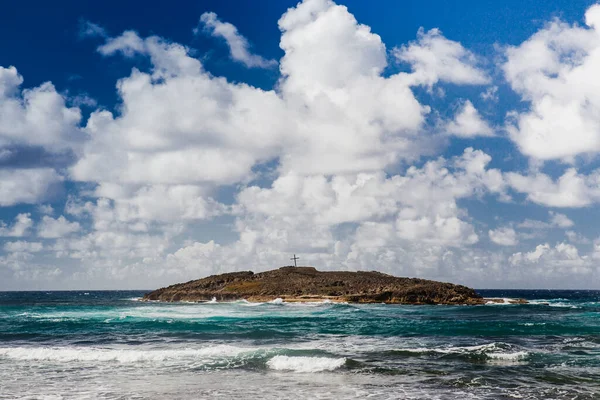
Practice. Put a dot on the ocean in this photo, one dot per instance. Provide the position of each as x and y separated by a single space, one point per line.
109 345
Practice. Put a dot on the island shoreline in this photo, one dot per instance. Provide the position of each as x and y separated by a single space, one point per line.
308 285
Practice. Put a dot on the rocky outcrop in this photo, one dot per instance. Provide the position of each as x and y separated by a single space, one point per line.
308 284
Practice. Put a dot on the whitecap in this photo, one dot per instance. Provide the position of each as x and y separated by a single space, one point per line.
505 301
278 300
305 364
72 354
491 351
516 356
453 349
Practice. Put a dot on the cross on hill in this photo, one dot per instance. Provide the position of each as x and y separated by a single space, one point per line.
295 258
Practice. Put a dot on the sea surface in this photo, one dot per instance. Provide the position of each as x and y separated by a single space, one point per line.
109 345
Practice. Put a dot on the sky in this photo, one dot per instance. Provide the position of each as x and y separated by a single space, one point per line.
148 143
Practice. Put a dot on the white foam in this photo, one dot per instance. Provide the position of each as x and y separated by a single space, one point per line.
516 356
453 350
305 364
505 301
562 303
70 354
491 351
278 300
212 301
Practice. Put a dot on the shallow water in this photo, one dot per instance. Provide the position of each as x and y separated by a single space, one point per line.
78 345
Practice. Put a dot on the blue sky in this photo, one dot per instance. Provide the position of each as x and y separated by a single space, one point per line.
451 141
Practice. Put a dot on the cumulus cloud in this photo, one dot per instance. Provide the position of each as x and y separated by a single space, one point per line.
435 58
468 123
46 209
23 247
421 204
203 128
555 71
183 132
503 236
556 220
239 47
552 261
570 190
337 161
36 116
560 220
51 228
22 225
27 185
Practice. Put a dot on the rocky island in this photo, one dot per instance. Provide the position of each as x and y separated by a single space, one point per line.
308 284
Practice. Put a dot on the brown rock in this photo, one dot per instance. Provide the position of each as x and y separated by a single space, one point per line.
308 284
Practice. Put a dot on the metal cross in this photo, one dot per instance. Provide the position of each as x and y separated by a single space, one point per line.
295 258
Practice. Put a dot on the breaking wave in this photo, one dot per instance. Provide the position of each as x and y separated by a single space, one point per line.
491 351
305 364
71 354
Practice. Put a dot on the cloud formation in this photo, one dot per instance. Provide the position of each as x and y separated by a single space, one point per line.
555 71
344 160
468 123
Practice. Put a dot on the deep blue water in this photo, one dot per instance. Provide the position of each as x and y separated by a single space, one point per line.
75 345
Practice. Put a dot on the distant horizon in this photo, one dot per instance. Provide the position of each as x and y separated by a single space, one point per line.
299 266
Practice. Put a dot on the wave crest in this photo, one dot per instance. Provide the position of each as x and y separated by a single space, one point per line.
491 351
305 364
66 354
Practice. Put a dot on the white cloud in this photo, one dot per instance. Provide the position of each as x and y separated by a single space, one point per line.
129 43
404 224
468 123
569 190
503 236
335 112
23 247
183 132
576 237
238 44
179 125
37 116
51 228
23 223
556 220
556 71
560 220
333 163
165 203
422 203
106 247
435 58
550 262
27 185
46 209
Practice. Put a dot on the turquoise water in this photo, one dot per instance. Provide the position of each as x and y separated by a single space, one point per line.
108 345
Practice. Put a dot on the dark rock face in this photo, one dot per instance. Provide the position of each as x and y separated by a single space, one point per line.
308 284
